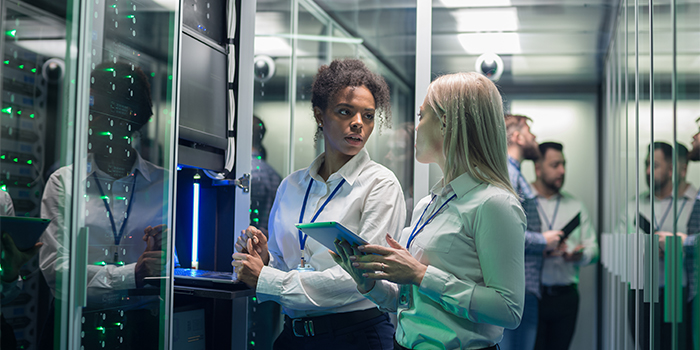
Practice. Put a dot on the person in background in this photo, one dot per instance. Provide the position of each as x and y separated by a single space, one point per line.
661 225
11 262
523 146
322 306
456 275
558 307
124 196
264 180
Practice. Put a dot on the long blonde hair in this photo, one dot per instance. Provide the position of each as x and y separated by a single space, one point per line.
475 131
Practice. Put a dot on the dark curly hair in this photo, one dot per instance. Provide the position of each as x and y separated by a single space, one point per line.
350 72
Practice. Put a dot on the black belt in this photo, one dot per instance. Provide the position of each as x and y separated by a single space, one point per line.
312 326
398 346
558 290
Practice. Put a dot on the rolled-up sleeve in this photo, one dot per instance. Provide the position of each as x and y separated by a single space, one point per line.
498 231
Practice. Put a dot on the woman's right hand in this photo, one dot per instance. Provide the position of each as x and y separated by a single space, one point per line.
259 243
345 251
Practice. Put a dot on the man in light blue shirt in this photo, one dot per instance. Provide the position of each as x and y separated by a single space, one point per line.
523 146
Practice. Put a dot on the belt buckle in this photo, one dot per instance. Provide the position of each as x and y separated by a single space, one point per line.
308 328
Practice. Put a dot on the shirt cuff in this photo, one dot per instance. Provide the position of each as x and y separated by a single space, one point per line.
535 243
269 287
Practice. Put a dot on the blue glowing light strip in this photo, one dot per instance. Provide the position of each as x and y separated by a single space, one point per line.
195 224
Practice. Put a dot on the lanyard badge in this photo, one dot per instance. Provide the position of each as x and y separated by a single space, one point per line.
303 266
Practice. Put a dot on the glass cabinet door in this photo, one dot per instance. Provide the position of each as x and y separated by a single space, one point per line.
87 142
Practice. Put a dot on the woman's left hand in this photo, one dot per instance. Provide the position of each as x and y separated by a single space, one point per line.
393 263
248 266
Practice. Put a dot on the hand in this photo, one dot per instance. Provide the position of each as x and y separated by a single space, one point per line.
248 266
575 255
553 238
393 264
345 251
153 236
150 264
259 243
13 259
662 240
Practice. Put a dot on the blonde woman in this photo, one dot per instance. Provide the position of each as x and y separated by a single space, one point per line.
455 276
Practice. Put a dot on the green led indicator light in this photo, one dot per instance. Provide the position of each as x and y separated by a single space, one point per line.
105 133
6 62
21 66
114 6
33 70
256 211
104 197
29 161
252 343
31 115
19 112
4 188
153 74
250 210
101 329
100 263
2 156
130 16
119 263
12 33
257 167
197 176
126 137
259 157
120 198
170 77
109 70
256 220
7 110
118 324
255 299
16 160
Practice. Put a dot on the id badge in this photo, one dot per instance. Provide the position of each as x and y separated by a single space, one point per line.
305 268
406 296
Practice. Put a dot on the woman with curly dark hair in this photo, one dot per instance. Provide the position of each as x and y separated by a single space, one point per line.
323 308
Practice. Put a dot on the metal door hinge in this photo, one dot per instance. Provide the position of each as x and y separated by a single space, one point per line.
243 182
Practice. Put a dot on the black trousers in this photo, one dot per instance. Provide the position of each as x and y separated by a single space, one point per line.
558 310
663 331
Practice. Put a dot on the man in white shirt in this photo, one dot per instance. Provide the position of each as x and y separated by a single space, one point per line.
662 226
558 306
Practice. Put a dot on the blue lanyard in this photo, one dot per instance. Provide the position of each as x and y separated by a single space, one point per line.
417 230
554 215
117 237
302 236
668 209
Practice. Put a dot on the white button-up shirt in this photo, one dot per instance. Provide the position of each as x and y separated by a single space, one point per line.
663 219
370 204
107 284
475 282
556 271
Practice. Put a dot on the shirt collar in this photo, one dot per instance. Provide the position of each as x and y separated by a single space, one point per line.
460 186
350 171
537 194
140 164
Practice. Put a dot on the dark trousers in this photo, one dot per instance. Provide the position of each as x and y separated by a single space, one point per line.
398 346
376 333
558 309
663 331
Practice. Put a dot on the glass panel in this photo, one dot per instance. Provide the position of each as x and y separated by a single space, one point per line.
36 139
108 201
686 131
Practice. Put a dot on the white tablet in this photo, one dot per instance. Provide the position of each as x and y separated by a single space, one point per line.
327 232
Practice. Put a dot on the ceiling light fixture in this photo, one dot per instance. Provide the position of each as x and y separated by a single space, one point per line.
476 3
499 43
486 20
